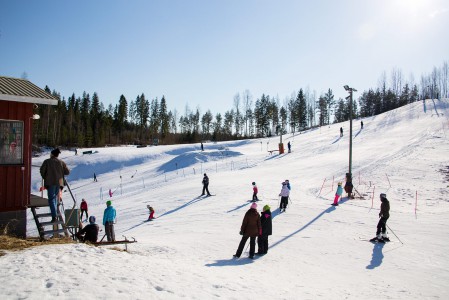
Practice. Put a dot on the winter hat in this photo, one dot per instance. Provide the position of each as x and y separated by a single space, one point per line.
55 152
284 183
253 183
382 195
339 183
108 203
92 219
266 207
254 205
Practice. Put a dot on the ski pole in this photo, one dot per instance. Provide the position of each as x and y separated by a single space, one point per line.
394 234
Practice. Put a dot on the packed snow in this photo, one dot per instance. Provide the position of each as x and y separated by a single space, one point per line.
317 251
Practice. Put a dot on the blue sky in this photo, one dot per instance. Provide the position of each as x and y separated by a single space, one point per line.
202 53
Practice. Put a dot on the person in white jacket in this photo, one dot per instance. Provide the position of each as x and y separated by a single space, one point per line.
285 192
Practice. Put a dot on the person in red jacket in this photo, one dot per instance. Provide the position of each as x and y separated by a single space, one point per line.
83 207
251 228
255 191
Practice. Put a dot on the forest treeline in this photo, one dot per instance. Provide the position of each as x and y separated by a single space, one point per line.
83 121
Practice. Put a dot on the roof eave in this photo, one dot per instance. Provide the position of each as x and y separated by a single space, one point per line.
4 97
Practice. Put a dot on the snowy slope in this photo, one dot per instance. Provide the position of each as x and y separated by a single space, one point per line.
315 250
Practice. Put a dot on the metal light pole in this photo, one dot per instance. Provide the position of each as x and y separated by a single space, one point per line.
350 90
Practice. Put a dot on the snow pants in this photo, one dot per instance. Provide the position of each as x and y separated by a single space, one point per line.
262 244
382 226
284 203
82 214
252 245
205 188
336 198
255 197
110 234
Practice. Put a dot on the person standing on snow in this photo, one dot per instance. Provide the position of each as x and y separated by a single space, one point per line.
289 147
288 184
341 131
151 216
285 193
255 191
205 185
251 228
52 172
338 194
384 214
83 207
265 221
108 221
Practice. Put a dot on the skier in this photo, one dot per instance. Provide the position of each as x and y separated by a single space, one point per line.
289 147
338 194
202 147
262 240
285 192
205 185
108 221
341 131
83 207
361 124
90 232
384 214
255 191
52 172
151 216
251 228
95 177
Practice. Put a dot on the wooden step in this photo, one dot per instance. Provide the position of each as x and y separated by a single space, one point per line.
47 232
51 223
45 215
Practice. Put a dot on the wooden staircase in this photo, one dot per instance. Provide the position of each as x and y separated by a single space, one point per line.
45 227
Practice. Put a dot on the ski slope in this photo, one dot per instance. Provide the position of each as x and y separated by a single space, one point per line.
316 251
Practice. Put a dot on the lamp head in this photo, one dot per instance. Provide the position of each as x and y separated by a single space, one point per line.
36 117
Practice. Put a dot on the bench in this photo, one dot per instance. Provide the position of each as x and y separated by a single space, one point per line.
271 151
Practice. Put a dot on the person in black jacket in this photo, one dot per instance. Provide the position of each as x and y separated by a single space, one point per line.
90 232
262 240
205 185
384 214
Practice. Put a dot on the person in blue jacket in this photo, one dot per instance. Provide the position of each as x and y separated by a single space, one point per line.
338 194
108 221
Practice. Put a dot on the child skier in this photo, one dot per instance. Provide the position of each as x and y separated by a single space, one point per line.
285 192
151 217
255 191
262 240
338 194
384 214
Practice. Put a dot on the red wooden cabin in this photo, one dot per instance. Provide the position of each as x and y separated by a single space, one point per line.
17 98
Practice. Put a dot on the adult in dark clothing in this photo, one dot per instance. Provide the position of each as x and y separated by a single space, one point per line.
361 124
90 232
205 185
289 147
251 228
348 188
265 221
384 214
53 171
202 147
341 131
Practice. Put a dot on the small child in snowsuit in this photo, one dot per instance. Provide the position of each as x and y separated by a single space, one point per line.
151 216
338 194
262 240
255 191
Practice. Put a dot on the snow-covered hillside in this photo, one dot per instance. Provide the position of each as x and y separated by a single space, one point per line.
316 251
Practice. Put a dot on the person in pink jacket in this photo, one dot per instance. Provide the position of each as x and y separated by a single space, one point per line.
255 191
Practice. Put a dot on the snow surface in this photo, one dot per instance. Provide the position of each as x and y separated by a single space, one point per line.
315 250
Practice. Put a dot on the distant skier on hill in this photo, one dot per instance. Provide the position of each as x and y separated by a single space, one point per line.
384 214
205 185
289 147
341 131
151 216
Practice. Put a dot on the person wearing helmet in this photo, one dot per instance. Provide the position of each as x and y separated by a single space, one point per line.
384 214
255 191
109 220
338 194
265 221
90 232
